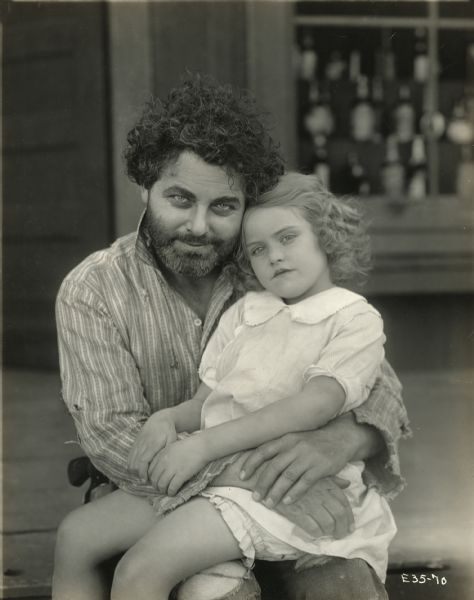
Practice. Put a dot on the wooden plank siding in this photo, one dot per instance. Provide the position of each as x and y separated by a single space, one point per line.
57 207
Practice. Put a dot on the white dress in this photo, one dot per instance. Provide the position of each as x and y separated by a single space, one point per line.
264 350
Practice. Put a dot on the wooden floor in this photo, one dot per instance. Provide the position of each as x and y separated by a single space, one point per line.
434 515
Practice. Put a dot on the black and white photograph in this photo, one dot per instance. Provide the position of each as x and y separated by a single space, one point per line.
238 311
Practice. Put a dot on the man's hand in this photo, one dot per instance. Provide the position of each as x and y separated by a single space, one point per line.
322 510
176 464
158 432
291 465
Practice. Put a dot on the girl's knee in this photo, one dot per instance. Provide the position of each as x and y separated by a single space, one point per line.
75 538
137 572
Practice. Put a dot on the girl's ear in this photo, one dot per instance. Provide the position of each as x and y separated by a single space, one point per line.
144 195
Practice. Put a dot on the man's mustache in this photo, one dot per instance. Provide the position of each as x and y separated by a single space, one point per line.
192 239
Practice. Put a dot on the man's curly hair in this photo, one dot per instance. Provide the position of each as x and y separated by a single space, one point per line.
220 124
338 225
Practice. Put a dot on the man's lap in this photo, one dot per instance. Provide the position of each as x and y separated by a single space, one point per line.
338 579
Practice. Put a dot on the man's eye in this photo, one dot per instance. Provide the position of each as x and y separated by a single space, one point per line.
222 208
179 200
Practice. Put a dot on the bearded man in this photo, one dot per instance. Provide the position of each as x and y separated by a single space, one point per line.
134 319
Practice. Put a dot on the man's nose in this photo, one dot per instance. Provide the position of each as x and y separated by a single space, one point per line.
198 223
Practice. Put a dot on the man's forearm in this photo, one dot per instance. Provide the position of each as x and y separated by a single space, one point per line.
358 441
343 440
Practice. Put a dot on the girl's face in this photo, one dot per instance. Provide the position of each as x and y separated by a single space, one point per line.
284 253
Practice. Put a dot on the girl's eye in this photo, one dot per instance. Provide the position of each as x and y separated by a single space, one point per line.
256 251
288 238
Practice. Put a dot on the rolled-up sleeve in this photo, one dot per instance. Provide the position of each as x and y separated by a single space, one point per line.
384 409
100 383
352 357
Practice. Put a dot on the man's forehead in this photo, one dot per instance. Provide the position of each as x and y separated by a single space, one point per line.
191 169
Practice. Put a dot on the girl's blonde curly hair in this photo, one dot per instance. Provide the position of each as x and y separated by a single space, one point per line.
337 223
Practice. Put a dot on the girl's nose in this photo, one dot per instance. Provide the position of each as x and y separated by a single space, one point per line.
275 254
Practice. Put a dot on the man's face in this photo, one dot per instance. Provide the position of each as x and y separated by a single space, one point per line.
193 215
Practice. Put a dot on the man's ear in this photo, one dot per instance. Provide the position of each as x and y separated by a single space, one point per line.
144 195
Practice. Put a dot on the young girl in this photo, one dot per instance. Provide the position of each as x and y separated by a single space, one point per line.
289 357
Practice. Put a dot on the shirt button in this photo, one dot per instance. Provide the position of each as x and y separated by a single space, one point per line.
197 322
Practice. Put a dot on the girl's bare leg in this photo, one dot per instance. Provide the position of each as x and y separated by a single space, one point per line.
91 534
188 540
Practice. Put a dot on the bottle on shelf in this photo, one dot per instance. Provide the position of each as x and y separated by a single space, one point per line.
470 68
378 104
354 66
308 59
320 166
335 67
432 122
319 119
357 181
417 185
404 116
385 65
465 175
460 129
393 171
421 63
362 117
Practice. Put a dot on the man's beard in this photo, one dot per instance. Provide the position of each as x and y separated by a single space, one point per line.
193 263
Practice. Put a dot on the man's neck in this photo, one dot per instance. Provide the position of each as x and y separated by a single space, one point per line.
196 291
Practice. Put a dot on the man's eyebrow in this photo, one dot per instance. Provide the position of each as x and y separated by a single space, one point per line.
178 190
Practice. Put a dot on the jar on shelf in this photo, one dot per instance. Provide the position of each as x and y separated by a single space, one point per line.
362 117
319 117
460 129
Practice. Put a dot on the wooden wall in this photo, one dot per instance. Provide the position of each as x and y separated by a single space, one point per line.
75 77
57 207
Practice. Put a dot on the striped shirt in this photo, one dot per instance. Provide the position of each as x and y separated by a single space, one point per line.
130 345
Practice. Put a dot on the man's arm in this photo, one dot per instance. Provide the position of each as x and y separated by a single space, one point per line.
100 383
297 464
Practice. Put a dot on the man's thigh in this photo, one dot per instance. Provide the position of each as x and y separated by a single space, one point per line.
338 579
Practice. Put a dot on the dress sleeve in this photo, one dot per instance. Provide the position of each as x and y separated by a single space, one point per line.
352 356
385 410
225 332
100 383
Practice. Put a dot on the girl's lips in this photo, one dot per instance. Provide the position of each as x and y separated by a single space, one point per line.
281 272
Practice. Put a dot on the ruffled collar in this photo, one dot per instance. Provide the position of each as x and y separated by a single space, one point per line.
262 306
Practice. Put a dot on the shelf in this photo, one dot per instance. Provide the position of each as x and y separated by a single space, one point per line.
356 21
421 247
418 245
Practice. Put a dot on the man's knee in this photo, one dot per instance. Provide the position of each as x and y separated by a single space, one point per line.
338 579
226 581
